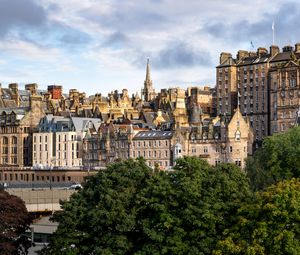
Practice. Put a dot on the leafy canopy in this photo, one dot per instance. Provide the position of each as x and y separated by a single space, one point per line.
14 221
131 209
270 224
277 160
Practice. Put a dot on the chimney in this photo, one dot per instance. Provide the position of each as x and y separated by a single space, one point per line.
287 48
32 88
15 93
261 52
55 91
224 56
242 54
274 50
297 48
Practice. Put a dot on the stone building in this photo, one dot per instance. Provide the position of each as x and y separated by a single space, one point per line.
155 146
219 140
226 86
58 142
18 120
284 89
213 139
255 82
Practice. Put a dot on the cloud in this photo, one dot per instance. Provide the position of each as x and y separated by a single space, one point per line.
173 56
181 54
116 40
73 37
21 14
128 17
259 31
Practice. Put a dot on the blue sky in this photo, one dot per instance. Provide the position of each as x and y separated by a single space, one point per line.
102 45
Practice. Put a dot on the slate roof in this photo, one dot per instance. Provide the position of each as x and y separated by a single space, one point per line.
81 124
282 56
153 135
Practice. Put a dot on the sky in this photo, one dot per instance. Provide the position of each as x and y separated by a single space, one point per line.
98 46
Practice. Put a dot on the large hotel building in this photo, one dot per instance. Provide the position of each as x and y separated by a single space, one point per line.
264 84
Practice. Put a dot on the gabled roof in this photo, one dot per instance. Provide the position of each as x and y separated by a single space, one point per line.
82 124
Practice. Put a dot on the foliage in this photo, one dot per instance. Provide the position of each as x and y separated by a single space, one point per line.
270 224
14 221
186 211
277 160
131 209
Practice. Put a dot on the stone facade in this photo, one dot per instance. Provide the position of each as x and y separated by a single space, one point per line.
58 142
16 127
266 86
213 139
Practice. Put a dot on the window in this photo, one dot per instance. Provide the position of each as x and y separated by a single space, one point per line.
205 149
238 162
237 135
230 149
14 140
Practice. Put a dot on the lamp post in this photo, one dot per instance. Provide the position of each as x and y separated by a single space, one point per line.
53 161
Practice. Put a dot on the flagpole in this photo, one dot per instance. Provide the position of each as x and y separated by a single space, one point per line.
273 30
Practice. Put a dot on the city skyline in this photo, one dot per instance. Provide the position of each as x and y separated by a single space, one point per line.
98 46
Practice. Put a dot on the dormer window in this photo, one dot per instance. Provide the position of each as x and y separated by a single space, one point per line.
237 135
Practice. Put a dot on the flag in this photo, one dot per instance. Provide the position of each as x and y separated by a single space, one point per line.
252 45
273 25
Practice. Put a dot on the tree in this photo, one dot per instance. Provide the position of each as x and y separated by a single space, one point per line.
101 218
277 160
270 224
131 209
14 221
186 211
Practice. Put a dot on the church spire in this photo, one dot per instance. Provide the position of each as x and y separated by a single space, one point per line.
148 71
148 93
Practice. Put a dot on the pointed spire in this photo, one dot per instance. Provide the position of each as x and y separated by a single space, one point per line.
148 93
148 71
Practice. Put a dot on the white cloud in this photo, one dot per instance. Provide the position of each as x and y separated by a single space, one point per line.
144 28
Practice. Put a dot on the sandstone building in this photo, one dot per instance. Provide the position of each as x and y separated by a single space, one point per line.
265 85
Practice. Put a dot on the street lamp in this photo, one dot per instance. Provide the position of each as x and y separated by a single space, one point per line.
53 162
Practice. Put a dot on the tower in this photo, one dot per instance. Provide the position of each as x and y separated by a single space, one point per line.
148 93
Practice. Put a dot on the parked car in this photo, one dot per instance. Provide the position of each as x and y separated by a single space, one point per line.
76 186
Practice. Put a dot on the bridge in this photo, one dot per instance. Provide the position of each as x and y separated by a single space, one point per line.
40 197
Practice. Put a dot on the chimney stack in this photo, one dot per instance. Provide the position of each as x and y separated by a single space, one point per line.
274 50
224 56
297 48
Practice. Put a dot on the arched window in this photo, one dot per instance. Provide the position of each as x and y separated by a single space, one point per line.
5 140
5 145
14 140
237 135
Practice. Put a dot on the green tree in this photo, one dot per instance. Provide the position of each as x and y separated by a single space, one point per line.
100 219
270 224
14 221
131 209
186 211
277 160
